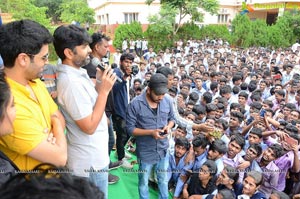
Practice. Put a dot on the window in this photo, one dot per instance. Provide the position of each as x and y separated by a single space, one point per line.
107 19
131 17
222 18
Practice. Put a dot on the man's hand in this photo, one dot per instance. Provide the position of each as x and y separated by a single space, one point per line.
243 165
184 178
297 196
159 134
282 135
51 138
107 81
185 193
295 148
53 94
203 127
56 126
280 116
190 157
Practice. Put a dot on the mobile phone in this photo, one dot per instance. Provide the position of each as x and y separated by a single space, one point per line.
165 132
277 76
290 141
262 113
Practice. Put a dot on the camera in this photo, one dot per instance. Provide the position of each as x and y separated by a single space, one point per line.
134 70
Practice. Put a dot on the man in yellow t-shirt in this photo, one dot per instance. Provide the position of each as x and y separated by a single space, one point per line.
38 129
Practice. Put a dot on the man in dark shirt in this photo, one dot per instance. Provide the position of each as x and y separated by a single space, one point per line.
121 100
149 118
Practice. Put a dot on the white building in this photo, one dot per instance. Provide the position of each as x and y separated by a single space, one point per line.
110 13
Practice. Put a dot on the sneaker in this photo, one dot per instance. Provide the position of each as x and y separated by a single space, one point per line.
127 155
126 164
115 165
112 179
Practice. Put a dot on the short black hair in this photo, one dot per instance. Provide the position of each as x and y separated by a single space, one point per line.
50 182
207 97
211 107
256 105
198 109
257 147
280 195
252 87
238 115
166 71
277 149
214 85
223 122
226 193
243 94
23 36
268 102
219 146
128 56
98 38
225 89
239 139
69 37
200 141
236 90
194 97
256 131
182 141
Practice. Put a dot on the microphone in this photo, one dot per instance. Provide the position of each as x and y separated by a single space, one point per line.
96 62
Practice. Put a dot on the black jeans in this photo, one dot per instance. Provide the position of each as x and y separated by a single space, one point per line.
122 136
111 138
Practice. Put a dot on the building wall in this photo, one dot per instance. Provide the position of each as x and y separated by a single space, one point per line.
112 12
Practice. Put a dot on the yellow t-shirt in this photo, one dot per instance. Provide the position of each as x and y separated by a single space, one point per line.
32 123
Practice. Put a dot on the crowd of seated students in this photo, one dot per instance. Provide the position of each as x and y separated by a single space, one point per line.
250 98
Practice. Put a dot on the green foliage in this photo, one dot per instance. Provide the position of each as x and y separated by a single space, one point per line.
242 33
158 39
295 22
260 33
283 33
188 30
184 8
24 9
215 31
76 10
127 31
53 11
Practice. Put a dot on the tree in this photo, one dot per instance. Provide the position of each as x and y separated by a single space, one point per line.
283 30
242 34
215 31
53 11
76 10
190 8
24 9
260 32
128 31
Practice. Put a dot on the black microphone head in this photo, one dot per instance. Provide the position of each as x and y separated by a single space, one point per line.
96 61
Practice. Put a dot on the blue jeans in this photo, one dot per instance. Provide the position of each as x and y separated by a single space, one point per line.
160 168
100 179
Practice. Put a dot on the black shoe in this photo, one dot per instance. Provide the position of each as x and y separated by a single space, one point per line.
115 165
153 185
112 179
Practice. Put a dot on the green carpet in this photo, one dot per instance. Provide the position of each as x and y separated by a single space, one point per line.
127 187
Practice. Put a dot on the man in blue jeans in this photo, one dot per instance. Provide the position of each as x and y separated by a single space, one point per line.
149 117
83 104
